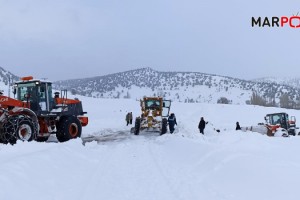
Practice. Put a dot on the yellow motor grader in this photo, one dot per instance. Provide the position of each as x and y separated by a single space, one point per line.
155 111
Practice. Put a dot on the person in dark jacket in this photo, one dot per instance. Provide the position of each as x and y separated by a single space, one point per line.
172 122
238 127
129 118
201 125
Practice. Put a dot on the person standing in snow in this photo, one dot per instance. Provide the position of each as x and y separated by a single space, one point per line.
238 127
201 125
172 122
127 119
130 118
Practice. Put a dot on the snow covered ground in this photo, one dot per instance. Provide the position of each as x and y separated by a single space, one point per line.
230 165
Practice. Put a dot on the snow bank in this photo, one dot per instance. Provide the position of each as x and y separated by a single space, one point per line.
186 165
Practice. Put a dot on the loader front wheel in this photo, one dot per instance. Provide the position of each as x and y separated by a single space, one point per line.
137 126
69 127
26 128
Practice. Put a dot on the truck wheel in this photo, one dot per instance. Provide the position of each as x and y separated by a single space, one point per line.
137 126
164 125
69 128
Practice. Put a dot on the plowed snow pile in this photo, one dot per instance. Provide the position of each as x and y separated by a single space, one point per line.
185 165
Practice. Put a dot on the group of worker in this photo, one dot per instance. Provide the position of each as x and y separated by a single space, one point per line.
171 121
129 118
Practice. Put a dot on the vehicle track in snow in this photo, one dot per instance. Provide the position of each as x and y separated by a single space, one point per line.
112 137
94 173
166 180
114 170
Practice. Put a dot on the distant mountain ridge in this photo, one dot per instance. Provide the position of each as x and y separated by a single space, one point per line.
290 81
177 86
5 78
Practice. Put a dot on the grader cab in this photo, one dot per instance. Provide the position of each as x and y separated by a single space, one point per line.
155 112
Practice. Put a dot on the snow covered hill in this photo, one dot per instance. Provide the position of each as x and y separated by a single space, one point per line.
188 87
6 79
230 165
177 86
290 81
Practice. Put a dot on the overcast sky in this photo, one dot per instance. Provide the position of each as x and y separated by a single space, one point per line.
63 39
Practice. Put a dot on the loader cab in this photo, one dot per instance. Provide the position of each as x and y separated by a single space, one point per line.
37 92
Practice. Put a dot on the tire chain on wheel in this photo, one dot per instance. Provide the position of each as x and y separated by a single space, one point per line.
8 131
30 121
9 134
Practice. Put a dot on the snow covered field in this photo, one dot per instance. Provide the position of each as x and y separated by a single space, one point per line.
185 166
